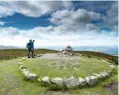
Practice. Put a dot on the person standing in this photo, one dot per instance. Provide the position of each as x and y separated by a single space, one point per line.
34 49
30 46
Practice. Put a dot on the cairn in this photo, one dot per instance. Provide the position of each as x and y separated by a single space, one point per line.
67 51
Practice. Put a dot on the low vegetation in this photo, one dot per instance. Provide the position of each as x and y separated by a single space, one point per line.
7 54
67 67
12 81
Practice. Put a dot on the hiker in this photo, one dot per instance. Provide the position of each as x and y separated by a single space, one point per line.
34 48
30 47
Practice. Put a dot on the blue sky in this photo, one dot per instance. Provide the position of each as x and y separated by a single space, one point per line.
59 23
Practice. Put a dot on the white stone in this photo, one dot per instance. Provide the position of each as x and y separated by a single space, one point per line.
25 72
82 81
21 66
64 52
31 76
71 82
91 80
97 75
57 53
104 74
58 81
39 79
71 54
112 66
46 79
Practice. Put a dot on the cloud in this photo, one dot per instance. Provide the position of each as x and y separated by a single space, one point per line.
73 16
16 37
112 17
73 20
5 11
31 8
72 27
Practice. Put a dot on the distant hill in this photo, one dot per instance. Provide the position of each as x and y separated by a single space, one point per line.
8 47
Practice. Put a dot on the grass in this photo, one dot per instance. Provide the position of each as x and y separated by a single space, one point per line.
7 54
12 81
82 67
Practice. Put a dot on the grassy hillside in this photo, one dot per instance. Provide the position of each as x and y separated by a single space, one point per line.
12 81
15 53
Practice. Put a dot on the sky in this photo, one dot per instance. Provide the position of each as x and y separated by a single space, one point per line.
59 23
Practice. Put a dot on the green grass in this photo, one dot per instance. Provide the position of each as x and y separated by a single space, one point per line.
15 53
66 67
7 54
12 81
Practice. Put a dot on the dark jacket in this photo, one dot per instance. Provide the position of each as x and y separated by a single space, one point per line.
30 45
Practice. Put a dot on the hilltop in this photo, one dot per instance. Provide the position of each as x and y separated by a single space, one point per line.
13 81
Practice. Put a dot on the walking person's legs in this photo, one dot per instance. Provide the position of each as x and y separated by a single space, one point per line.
32 51
29 50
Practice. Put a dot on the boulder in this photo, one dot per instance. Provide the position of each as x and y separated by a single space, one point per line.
82 81
25 72
31 76
46 79
91 80
58 81
104 74
71 82
112 66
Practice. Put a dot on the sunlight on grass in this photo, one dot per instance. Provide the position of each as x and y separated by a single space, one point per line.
66 67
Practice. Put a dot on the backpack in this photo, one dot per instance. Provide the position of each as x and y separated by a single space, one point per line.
28 45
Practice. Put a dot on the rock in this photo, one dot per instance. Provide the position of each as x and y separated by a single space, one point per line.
39 55
82 81
91 80
71 82
64 52
21 67
58 81
58 53
28 75
25 72
39 79
97 75
71 54
67 51
104 74
46 79
112 66
31 76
